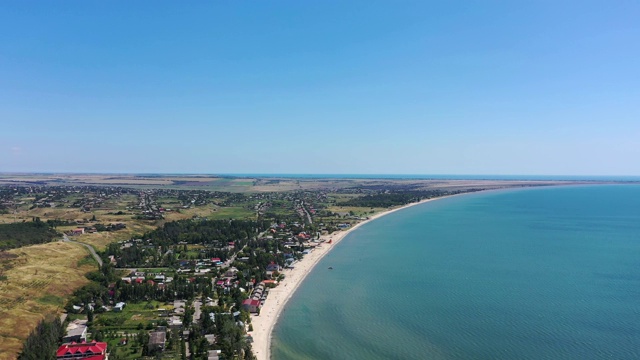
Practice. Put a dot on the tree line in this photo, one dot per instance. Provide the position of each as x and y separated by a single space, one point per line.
205 231
43 342
25 233
389 199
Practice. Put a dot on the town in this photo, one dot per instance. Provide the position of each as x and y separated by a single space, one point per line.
165 273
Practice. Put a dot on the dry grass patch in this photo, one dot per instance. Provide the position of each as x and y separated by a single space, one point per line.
36 281
201 211
100 240
58 213
359 211
44 214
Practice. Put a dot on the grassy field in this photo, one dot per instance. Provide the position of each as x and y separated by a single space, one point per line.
44 213
132 316
100 240
232 212
230 185
128 323
131 319
358 211
201 182
212 212
201 211
251 184
38 280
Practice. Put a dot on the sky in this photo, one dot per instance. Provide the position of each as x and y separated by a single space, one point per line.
321 87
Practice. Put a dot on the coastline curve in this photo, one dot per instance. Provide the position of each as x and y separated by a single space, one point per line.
264 323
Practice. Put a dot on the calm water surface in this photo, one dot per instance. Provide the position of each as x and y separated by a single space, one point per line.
546 273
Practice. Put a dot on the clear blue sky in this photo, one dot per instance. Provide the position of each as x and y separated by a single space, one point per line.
274 86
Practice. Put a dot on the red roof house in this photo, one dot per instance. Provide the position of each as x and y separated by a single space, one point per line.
251 305
84 350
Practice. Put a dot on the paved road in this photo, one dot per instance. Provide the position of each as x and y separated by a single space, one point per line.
306 212
148 269
91 249
196 314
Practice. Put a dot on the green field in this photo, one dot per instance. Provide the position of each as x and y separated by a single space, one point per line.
232 212
132 316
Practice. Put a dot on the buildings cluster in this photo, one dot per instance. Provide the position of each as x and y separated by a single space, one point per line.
75 344
257 298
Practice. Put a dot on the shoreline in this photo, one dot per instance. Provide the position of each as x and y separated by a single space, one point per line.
264 323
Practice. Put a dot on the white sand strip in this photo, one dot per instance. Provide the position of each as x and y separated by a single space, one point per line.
278 296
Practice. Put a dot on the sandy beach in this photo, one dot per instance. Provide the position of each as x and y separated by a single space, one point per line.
263 324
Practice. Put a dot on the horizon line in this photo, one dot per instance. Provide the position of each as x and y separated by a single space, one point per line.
467 176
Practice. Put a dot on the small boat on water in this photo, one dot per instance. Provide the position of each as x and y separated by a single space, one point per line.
330 267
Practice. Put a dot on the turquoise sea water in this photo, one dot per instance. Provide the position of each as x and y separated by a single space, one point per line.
617 178
545 273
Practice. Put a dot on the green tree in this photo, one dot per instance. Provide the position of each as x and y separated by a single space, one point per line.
98 336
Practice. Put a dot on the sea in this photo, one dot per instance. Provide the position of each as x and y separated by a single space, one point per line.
537 273
593 178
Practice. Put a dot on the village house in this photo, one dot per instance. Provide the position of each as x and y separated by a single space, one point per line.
175 323
211 338
231 273
213 354
273 267
76 331
270 282
157 341
84 350
251 305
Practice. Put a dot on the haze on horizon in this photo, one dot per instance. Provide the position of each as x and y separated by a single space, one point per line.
378 87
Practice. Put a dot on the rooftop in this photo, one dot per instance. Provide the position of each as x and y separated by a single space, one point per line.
83 348
76 327
157 337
